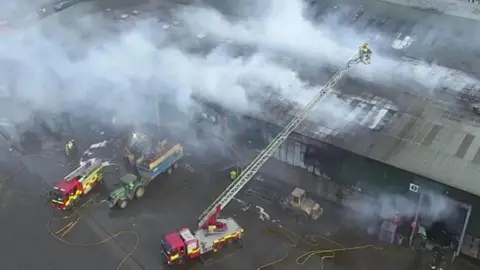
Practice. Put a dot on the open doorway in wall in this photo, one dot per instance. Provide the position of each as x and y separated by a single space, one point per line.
443 221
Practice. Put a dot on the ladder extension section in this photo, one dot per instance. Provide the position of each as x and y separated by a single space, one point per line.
247 174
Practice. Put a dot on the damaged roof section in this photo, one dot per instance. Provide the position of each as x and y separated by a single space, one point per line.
428 137
340 118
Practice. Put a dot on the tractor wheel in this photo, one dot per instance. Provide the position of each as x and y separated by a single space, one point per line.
175 165
139 192
122 203
169 170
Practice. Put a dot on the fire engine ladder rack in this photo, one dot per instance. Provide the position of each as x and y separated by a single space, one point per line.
232 190
83 169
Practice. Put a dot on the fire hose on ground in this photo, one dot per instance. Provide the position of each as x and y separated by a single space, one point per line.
72 219
290 239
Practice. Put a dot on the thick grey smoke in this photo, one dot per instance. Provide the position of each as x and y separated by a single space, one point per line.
434 206
73 60
367 211
80 60
284 29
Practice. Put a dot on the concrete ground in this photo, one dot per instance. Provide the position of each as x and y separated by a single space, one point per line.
281 178
333 233
26 242
169 204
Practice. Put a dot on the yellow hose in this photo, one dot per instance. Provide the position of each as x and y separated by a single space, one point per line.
73 218
293 239
302 259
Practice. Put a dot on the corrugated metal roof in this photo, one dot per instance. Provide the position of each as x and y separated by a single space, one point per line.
431 138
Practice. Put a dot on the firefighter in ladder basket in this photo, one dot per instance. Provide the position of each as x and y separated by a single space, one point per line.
365 53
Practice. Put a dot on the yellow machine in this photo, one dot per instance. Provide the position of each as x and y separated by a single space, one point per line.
297 200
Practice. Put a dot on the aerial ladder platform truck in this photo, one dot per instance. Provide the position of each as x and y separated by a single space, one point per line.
214 233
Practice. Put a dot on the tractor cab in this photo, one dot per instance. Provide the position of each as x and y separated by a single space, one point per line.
297 196
123 191
173 248
299 201
128 180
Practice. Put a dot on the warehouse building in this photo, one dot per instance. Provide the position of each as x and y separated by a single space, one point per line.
382 147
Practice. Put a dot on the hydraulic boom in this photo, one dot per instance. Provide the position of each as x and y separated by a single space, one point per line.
209 216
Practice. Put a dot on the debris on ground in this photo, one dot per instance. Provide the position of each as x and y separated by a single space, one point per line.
263 215
189 168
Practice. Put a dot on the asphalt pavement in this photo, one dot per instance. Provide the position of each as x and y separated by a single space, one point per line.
25 215
171 202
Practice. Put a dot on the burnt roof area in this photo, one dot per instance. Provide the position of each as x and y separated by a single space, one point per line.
416 133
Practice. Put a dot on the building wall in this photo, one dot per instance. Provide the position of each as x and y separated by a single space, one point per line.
334 167
348 169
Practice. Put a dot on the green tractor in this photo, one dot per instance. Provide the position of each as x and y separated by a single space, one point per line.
129 187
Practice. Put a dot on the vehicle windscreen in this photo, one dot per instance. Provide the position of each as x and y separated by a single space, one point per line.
57 195
166 247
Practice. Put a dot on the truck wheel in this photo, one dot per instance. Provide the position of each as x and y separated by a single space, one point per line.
139 192
169 170
122 204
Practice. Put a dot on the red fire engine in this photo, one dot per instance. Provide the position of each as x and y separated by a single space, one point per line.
185 244
77 184
213 233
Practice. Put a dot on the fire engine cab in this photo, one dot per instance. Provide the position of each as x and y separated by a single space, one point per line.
177 247
77 184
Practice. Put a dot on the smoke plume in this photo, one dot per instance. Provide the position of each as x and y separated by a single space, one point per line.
283 28
80 60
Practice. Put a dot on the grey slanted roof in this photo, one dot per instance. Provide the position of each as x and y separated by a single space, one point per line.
430 138
439 142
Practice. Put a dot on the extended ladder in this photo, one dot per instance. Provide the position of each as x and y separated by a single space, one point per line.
257 163
84 169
